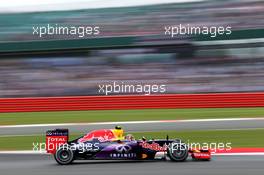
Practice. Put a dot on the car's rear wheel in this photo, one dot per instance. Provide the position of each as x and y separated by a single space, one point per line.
177 151
64 155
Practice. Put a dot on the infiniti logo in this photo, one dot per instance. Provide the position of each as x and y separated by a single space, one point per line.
123 148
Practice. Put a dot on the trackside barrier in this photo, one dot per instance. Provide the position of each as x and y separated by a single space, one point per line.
214 100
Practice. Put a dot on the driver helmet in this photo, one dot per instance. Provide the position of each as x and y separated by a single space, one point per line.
118 132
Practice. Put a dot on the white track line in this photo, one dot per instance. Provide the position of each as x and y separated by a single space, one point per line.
131 122
239 154
214 154
23 152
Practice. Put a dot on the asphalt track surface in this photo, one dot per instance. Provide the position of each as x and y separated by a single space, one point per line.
203 125
45 165
39 164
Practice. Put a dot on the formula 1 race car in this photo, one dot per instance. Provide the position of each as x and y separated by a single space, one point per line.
102 144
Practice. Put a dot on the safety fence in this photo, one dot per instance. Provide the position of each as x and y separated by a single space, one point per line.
214 100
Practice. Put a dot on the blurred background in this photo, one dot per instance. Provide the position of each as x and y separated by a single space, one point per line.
131 47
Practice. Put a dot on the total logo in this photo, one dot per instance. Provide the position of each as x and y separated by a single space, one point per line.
57 139
123 148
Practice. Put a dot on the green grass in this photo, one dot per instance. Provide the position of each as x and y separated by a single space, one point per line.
238 138
126 115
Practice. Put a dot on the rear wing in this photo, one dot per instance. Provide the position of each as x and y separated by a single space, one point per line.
56 138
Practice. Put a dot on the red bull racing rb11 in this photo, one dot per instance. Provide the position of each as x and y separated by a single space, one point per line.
105 144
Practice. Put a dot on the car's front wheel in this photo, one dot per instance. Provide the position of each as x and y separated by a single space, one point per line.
177 151
64 155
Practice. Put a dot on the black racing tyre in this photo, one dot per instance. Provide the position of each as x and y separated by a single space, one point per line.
64 155
177 151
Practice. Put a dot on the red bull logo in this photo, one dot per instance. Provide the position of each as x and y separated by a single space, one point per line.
154 146
102 135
